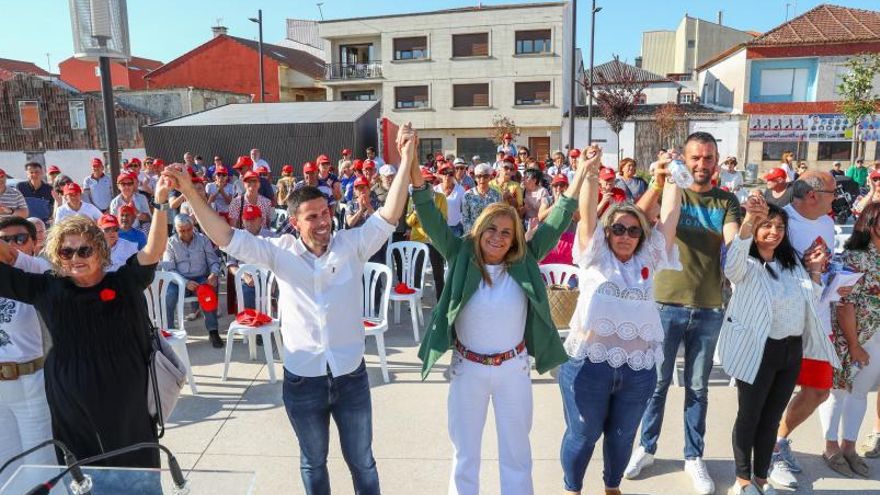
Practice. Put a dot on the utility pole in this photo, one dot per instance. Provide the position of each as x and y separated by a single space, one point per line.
259 21
590 89
572 103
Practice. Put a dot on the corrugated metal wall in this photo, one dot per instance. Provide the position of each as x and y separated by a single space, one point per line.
279 143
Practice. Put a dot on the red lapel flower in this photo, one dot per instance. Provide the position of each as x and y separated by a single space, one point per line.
107 295
645 273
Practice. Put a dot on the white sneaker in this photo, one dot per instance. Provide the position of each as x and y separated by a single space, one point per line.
638 461
781 474
749 489
768 489
703 483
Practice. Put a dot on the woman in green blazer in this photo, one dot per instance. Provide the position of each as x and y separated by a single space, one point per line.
494 312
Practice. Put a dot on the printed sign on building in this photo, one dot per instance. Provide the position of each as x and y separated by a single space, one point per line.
816 127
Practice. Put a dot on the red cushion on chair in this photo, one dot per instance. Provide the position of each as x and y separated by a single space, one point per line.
369 324
402 288
252 318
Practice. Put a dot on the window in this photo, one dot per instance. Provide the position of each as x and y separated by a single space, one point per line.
365 95
77 110
29 114
688 98
97 71
430 146
692 43
773 150
834 150
532 93
641 99
784 82
468 147
411 97
470 95
413 48
470 45
537 41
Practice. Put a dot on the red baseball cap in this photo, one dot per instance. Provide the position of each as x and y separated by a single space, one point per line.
322 159
108 220
262 169
207 297
510 159
369 164
776 174
309 167
2 173
361 181
358 164
126 177
560 179
346 152
96 162
287 169
242 162
158 162
445 166
71 188
53 169
607 174
251 212
874 174
133 161
221 170
250 175
127 208
507 135
427 174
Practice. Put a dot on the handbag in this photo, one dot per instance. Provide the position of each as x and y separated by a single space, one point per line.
167 376
563 301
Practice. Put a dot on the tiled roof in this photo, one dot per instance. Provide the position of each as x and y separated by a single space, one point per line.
16 66
299 60
609 71
144 63
824 24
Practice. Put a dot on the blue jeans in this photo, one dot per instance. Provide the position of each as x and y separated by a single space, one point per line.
310 402
698 328
597 399
171 304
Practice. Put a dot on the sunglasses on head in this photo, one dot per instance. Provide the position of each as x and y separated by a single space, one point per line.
15 238
619 229
83 252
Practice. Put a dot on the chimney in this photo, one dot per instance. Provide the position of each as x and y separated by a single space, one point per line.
638 62
720 17
218 30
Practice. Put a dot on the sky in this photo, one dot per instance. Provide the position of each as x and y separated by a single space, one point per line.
165 29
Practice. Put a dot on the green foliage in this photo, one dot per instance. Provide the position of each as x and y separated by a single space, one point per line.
857 89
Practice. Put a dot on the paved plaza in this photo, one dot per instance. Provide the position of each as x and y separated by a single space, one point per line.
241 425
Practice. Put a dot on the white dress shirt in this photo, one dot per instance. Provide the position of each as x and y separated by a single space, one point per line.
21 338
120 253
320 297
85 209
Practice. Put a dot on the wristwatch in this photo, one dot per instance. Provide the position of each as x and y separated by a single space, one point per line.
163 206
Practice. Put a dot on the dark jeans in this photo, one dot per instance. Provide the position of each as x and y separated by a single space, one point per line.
761 405
698 328
310 402
597 399
211 323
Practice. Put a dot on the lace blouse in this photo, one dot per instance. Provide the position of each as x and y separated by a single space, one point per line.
616 319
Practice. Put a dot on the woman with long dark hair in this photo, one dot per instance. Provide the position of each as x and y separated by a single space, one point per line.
770 324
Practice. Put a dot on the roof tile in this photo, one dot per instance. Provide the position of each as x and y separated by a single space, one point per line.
824 24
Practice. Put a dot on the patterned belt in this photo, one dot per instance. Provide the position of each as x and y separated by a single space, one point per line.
12 371
489 359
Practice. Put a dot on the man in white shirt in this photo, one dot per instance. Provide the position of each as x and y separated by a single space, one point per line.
97 187
120 249
74 205
24 412
256 157
319 279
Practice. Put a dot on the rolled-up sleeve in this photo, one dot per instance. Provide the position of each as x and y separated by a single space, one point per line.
371 235
248 248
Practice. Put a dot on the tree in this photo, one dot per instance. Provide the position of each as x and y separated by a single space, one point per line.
857 89
502 125
666 118
616 89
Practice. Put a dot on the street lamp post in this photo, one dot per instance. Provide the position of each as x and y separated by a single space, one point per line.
590 88
109 116
259 21
572 103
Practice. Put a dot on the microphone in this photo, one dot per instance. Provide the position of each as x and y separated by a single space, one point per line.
69 460
83 485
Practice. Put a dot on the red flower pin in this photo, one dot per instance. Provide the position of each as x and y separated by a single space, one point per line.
645 273
107 295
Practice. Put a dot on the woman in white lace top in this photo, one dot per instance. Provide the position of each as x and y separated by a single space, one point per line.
616 336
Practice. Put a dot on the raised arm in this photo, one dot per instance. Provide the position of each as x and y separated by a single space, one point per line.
588 163
157 241
214 226
648 202
397 197
670 210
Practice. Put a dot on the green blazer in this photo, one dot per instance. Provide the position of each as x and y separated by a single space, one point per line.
541 337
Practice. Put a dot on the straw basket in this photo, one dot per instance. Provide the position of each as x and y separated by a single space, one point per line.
562 303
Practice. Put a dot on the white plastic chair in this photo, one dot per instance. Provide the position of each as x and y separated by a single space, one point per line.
157 309
414 259
377 289
264 280
558 274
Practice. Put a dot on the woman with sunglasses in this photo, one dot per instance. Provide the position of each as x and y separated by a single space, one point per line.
873 194
616 336
96 372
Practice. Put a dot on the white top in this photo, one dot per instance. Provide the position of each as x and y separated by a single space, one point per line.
616 319
789 171
454 203
802 232
789 307
138 200
21 337
320 298
120 253
494 318
100 191
731 180
85 209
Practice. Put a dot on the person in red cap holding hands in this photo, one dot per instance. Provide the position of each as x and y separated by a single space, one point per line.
120 249
323 332
74 205
507 147
97 187
284 186
128 195
365 203
778 190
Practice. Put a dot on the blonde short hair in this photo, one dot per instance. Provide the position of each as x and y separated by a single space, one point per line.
76 225
484 221
627 209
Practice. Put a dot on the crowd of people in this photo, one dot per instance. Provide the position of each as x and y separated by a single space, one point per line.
659 267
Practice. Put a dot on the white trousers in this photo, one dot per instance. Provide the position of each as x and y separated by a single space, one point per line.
24 422
509 386
845 410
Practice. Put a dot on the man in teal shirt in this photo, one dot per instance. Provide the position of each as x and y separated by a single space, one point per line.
858 172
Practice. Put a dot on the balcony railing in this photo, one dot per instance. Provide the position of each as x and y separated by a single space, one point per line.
345 71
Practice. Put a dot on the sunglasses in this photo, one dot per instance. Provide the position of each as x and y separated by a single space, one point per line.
83 252
619 229
482 176
111 230
447 173
221 175
126 184
522 153
15 239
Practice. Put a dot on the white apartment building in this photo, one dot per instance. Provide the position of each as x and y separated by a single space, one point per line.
450 72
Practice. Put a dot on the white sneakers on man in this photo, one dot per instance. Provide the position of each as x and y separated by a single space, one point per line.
752 489
703 483
638 461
